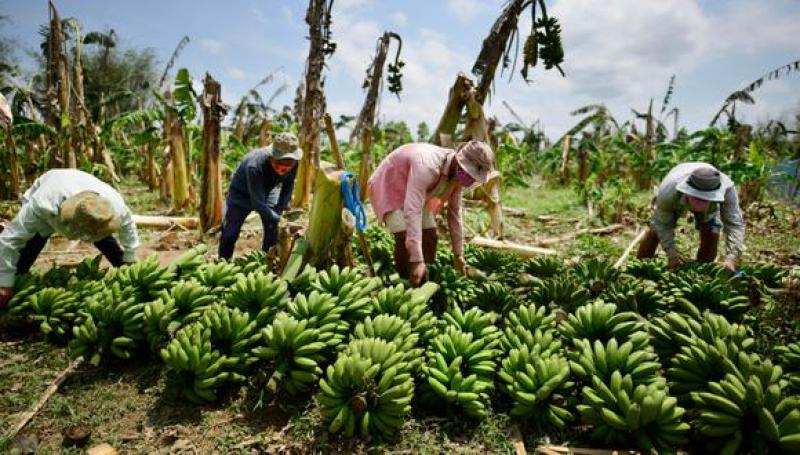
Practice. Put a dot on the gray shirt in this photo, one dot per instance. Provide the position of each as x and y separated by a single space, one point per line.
671 204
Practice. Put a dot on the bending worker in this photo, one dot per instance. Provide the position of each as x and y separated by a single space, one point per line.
411 185
711 196
74 204
263 182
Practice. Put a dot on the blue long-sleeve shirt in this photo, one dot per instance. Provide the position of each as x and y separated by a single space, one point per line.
252 182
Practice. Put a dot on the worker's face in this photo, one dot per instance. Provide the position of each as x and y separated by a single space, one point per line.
283 167
464 179
697 204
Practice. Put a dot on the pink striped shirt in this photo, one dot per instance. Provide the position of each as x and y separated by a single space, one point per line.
406 180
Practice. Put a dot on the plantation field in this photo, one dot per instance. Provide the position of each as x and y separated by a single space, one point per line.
136 406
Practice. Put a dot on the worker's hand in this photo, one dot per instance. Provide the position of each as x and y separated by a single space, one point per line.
729 264
5 296
417 273
674 262
460 264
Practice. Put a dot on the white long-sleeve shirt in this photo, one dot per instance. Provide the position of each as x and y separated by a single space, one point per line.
39 214
671 204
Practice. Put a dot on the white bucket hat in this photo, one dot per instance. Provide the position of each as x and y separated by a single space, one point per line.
703 183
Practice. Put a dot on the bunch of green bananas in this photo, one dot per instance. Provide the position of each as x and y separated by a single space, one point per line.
749 414
544 267
233 334
296 352
525 318
621 412
219 277
601 321
57 277
646 269
538 341
769 274
392 328
262 295
702 362
323 313
367 390
560 292
789 356
55 309
494 296
184 303
671 331
112 324
302 283
596 274
381 248
199 369
636 296
454 289
601 360
187 263
255 261
460 371
89 269
411 306
712 295
351 288
146 278
475 321
500 266
25 286
538 386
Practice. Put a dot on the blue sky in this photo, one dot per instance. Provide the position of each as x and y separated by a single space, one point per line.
618 52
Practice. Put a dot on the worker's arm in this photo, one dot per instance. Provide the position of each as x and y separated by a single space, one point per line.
734 225
128 237
256 187
286 191
664 220
413 204
14 238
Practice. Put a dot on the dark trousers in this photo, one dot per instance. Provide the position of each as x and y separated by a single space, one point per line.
232 226
27 256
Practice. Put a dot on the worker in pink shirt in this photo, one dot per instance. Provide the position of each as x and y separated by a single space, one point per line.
411 185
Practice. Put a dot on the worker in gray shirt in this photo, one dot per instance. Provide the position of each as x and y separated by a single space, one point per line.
711 196
263 183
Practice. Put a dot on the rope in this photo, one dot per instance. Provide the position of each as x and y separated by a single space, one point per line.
352 202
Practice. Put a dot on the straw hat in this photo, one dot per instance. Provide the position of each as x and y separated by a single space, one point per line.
476 158
90 214
703 183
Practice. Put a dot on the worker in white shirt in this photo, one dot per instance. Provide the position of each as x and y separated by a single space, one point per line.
74 204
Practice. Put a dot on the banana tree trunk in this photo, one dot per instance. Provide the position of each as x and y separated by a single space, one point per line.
313 103
330 231
366 162
211 185
31 158
649 147
58 82
264 134
180 177
452 112
366 118
563 171
11 152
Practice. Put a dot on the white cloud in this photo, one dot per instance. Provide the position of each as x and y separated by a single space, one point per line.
211 45
236 73
466 10
260 16
349 5
399 18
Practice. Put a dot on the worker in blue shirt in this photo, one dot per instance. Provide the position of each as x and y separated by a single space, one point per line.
263 182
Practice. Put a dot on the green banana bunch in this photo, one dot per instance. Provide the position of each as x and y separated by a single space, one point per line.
544 267
159 322
621 412
255 261
454 289
525 319
601 360
381 248
713 295
302 283
233 334
184 303
501 267
646 269
368 390
475 321
389 327
57 277
459 371
322 312
262 295
748 415
636 296
596 274
89 269
602 321
351 288
409 305
219 277
540 341
296 351
112 325
770 275
198 369
494 296
672 331
187 263
789 356
146 278
55 309
25 286
538 387
85 289
560 292
702 362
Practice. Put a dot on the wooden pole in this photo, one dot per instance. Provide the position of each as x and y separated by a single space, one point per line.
337 155
509 247
630 248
